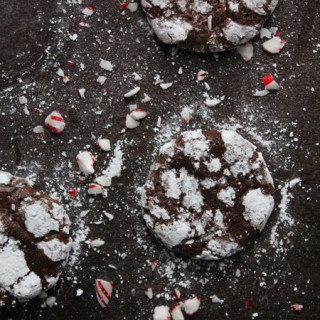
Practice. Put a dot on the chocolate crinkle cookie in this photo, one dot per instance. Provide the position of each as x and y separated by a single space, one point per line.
34 240
207 25
208 193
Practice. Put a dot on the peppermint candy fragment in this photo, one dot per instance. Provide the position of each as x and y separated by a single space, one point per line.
85 161
191 306
70 63
103 291
54 122
146 98
96 243
261 93
176 312
161 313
201 75
87 11
297 307
176 293
132 92
95 188
212 102
38 129
23 100
104 144
82 91
60 72
101 79
165 86
269 83
131 123
73 192
148 292
106 65
138 114
131 6
246 51
84 24
186 114
273 45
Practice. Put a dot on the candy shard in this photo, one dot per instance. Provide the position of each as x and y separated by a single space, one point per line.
186 114
161 313
101 79
82 92
87 11
261 93
131 123
85 161
132 92
96 243
104 144
191 306
138 114
176 312
273 45
106 65
176 293
148 292
270 83
54 122
95 188
131 6
212 102
246 51
103 291
165 86
201 75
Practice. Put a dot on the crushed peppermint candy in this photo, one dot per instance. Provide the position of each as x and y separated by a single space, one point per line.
176 294
82 92
38 129
176 312
131 123
138 114
104 144
96 243
148 292
212 102
246 51
101 80
23 100
106 65
269 83
161 313
55 122
87 11
73 192
186 114
103 291
131 6
191 306
165 86
85 161
261 93
297 307
95 188
273 45
84 24
201 75
132 92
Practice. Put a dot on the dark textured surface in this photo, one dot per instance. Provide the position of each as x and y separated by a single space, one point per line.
273 277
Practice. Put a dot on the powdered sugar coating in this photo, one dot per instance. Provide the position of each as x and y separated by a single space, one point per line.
208 194
34 241
207 26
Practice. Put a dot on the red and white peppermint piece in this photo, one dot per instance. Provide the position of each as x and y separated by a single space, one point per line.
138 114
60 72
65 79
131 6
176 293
38 129
297 307
148 292
85 161
153 265
186 114
70 63
106 65
95 188
191 306
73 192
146 98
246 51
84 24
104 144
96 243
161 313
131 123
54 122
201 75
103 291
87 11
176 312
269 83
132 92
273 45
